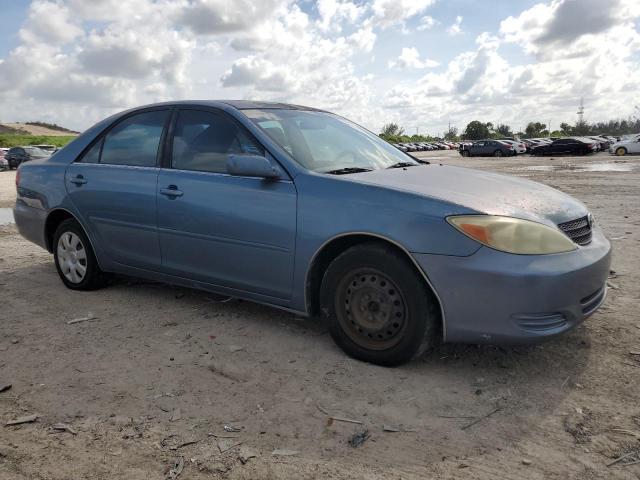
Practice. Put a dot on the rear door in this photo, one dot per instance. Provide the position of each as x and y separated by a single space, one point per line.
232 231
634 146
113 186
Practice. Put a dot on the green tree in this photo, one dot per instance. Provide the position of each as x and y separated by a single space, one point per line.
535 129
452 134
476 130
566 129
581 128
504 130
392 130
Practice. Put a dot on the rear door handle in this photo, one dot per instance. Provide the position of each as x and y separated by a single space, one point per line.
78 180
171 191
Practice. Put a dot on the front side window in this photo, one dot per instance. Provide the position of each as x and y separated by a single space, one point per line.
135 140
324 142
204 140
93 154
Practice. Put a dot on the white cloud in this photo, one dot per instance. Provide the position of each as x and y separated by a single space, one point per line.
49 22
410 58
77 61
393 12
427 22
456 27
334 12
224 16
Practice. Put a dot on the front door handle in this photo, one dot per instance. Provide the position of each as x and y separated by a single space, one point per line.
79 180
171 191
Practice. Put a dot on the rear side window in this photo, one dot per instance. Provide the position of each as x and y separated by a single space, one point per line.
135 140
204 140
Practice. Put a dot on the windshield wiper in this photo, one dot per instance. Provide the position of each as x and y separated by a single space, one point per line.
402 165
345 170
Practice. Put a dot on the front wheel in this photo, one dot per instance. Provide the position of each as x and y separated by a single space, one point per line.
497 153
621 151
464 153
74 258
379 308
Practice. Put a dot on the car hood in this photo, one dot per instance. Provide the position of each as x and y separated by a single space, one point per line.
482 191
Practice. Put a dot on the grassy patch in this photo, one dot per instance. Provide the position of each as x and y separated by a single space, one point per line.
10 140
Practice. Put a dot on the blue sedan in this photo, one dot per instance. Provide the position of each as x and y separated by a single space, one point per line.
306 211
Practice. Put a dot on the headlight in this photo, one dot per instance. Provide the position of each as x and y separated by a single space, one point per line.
513 235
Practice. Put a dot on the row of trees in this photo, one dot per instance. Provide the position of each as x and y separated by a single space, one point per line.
394 133
477 130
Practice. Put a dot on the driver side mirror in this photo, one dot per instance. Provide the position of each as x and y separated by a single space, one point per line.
251 166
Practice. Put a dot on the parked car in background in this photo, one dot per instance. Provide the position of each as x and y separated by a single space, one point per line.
303 210
400 147
629 146
601 142
517 145
18 155
487 148
4 164
567 146
46 147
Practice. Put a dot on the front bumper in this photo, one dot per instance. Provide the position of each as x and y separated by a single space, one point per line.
499 298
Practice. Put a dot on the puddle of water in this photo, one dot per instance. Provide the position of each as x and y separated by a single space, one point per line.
589 167
6 216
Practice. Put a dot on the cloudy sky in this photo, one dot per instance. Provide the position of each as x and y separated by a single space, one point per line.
422 63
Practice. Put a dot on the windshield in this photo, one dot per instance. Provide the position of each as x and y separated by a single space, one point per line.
36 152
324 142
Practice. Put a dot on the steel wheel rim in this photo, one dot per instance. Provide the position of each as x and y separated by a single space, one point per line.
371 309
72 257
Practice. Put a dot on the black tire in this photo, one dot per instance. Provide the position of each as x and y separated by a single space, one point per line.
497 153
405 310
93 277
465 153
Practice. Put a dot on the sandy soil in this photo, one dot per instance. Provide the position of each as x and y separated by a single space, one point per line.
38 130
7 188
160 367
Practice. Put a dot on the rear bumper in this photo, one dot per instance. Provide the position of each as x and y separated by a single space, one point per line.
30 222
499 298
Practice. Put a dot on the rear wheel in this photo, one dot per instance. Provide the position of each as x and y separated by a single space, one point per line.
74 258
621 151
497 153
379 308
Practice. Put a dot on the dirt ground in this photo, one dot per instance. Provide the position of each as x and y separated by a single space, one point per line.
160 371
38 129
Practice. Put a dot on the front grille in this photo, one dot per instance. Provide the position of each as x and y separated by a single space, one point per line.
577 230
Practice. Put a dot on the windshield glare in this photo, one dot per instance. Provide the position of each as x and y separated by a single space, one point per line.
324 142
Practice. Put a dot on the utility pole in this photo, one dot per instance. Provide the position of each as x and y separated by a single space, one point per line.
581 111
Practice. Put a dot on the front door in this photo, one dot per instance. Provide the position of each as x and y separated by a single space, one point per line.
113 186
236 232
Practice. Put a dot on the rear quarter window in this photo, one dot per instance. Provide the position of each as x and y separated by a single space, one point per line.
135 140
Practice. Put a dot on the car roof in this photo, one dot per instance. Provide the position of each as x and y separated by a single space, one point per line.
237 104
